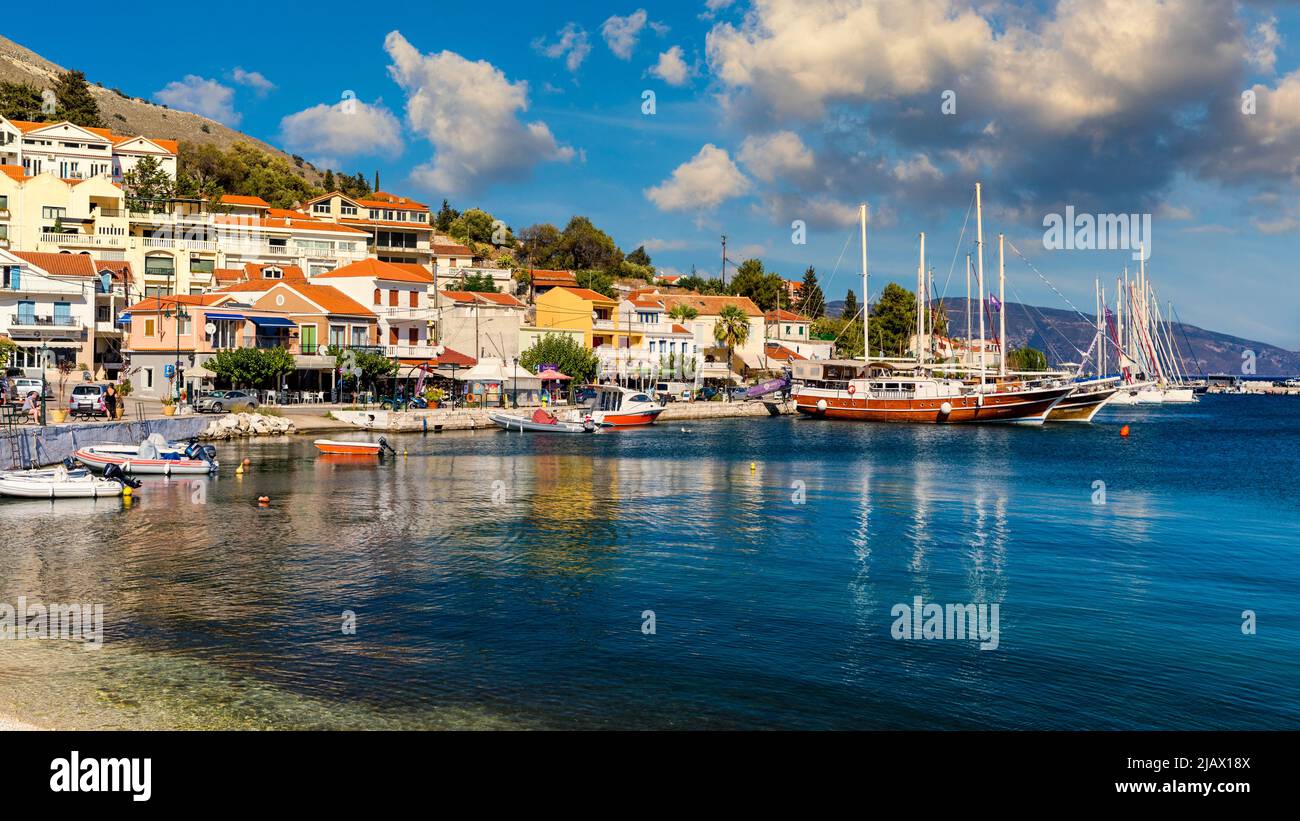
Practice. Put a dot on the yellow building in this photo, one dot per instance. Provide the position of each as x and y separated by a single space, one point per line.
609 333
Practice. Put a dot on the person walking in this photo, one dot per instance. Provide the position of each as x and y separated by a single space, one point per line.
110 402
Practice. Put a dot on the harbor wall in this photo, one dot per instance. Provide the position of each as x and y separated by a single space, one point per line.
49 445
474 418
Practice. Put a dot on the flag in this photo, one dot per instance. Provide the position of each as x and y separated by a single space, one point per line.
994 305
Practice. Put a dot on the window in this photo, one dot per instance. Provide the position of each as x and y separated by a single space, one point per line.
360 336
321 208
348 210
392 298
415 299
307 339
4 231
182 325
49 212
63 313
272 273
156 291
338 336
159 266
148 377
413 336
26 313
149 327
4 202
378 299
202 266
392 336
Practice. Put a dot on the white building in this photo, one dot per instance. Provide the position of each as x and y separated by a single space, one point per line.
47 304
73 152
480 324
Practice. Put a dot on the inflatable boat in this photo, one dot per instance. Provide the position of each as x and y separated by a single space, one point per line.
64 483
153 456
542 422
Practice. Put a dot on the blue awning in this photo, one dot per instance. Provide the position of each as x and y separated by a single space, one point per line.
272 322
239 317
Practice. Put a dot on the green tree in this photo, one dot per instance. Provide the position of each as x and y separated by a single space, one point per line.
731 329
147 181
812 302
252 367
474 225
566 353
328 182
893 320
704 287
598 281
1026 359
372 366
584 246
7 349
846 334
446 216
21 101
850 306
682 312
477 282
763 287
355 185
538 244
76 103
640 257
630 270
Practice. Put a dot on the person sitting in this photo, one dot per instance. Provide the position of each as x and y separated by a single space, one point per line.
31 407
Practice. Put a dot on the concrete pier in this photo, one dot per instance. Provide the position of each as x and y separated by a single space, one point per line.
442 419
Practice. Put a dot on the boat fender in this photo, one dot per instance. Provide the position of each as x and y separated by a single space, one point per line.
945 408
821 405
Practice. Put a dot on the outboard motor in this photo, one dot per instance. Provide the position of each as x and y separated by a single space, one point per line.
195 450
115 473
383 444
69 463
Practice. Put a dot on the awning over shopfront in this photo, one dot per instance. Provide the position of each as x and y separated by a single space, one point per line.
231 317
272 322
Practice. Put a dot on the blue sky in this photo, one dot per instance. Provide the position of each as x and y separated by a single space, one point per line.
792 109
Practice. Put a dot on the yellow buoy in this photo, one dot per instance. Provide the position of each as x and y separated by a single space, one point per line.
239 471
752 467
126 491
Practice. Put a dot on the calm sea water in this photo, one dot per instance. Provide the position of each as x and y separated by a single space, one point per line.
500 580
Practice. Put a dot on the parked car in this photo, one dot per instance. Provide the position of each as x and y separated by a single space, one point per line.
22 385
222 401
584 394
672 391
88 400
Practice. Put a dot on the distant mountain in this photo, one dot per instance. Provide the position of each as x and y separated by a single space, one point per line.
1062 335
133 115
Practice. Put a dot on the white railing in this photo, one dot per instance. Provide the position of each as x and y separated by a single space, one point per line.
410 351
399 313
95 240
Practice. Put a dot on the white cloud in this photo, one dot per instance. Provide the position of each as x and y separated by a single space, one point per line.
470 112
818 210
672 68
705 181
774 155
253 79
621 33
201 96
327 133
916 169
572 42
1264 45
654 245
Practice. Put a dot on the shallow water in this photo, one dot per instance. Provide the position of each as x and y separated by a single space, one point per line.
500 580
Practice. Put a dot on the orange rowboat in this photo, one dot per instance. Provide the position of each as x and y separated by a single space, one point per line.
338 448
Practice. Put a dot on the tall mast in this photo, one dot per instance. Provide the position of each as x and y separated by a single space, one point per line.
920 302
965 360
1002 312
866 294
930 346
1101 337
979 265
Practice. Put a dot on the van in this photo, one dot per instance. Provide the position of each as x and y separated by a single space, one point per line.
672 391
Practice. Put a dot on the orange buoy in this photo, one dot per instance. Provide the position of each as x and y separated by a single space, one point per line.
247 462
263 501
1123 431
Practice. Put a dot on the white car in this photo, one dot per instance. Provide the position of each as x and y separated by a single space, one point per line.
24 385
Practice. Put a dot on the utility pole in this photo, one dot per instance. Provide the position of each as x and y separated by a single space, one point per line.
724 259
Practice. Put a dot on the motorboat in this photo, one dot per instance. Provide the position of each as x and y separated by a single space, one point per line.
542 422
335 447
616 406
153 456
64 482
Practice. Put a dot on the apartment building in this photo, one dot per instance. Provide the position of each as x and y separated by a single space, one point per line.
713 362
487 324
793 332
47 305
661 344
397 229
398 294
74 152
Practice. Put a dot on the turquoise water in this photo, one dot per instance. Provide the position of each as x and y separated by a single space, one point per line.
501 579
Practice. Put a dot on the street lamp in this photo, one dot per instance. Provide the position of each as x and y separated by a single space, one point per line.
176 368
514 386
45 364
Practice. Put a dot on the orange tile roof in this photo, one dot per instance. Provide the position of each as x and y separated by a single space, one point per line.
382 199
781 352
374 269
448 357
782 315
239 199
452 250
501 299
67 265
171 146
679 329
120 269
559 276
588 294
414 226
414 268
483 296
153 303
710 305
331 299
14 171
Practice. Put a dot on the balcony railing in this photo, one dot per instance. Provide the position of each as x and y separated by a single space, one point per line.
411 351
93 240
397 313
34 321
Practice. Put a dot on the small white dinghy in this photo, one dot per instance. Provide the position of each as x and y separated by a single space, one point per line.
153 456
62 483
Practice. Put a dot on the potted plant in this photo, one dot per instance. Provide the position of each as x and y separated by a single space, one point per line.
169 406
434 397
123 391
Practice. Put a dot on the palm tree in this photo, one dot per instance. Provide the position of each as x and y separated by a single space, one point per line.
732 330
683 312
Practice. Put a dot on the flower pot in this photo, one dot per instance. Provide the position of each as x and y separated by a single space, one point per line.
56 416
119 412
169 410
